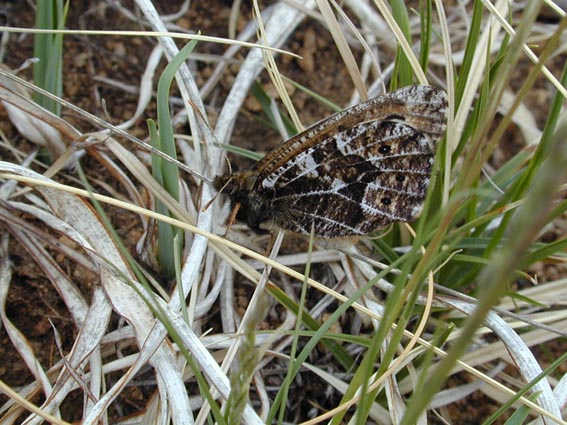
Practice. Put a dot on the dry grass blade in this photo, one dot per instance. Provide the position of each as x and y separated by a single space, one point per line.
94 240
34 122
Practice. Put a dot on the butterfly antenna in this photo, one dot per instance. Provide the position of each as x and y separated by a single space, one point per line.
204 121
229 166
213 199
234 211
200 115
208 204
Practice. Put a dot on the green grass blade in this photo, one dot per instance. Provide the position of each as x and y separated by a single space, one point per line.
166 172
48 48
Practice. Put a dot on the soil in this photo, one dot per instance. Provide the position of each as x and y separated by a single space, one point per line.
33 305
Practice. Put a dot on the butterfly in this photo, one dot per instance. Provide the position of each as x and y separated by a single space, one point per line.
348 175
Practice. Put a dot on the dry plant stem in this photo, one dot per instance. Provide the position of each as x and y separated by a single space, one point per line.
403 43
343 47
70 133
246 271
451 140
272 69
479 66
280 25
251 315
527 51
396 407
154 34
531 217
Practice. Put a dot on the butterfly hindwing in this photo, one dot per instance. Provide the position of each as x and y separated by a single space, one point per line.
351 188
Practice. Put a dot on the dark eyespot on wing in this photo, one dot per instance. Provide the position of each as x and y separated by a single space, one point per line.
394 117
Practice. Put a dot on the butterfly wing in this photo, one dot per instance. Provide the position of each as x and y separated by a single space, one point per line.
421 107
358 170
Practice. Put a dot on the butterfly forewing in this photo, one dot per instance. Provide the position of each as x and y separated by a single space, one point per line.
422 107
350 174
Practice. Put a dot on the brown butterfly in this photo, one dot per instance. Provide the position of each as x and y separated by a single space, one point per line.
349 174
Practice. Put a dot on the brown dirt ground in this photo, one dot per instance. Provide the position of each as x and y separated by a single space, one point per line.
34 306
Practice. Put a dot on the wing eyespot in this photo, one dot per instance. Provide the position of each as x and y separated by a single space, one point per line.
400 178
384 149
386 201
395 117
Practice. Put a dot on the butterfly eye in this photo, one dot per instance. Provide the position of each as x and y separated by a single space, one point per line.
386 201
384 149
400 177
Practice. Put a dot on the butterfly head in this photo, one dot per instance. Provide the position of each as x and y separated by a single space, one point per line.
239 187
234 184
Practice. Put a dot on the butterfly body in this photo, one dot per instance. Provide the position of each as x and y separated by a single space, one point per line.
350 174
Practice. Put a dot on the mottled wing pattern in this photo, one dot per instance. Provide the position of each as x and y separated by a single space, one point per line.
358 170
421 107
